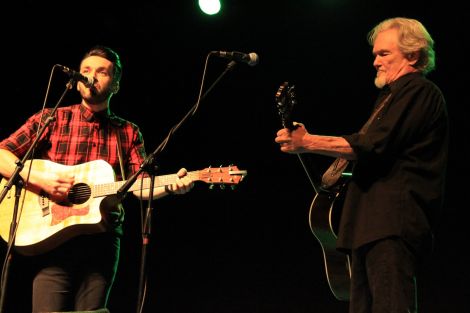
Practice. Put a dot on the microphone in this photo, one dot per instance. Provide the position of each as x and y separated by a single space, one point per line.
251 58
87 81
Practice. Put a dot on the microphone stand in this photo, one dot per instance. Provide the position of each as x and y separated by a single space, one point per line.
149 166
15 179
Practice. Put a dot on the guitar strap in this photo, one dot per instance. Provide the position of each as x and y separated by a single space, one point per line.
336 169
334 173
119 148
120 211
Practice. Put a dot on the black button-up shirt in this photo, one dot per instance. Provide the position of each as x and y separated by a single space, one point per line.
398 180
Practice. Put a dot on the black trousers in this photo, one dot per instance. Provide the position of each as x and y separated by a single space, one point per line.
77 276
383 278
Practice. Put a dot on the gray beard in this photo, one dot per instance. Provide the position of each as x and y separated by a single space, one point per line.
380 82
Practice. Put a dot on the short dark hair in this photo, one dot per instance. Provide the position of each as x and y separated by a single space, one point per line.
108 54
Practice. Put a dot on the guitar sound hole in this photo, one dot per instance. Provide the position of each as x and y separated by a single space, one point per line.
80 193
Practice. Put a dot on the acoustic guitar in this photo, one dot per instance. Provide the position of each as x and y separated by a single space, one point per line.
44 224
325 209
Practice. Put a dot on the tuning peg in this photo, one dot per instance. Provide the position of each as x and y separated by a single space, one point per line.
222 186
233 187
211 186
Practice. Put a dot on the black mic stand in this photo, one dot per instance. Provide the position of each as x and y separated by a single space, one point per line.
16 180
150 167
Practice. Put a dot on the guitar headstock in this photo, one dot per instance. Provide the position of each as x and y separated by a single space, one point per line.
223 176
285 101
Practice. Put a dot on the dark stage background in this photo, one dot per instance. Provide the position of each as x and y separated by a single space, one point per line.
248 250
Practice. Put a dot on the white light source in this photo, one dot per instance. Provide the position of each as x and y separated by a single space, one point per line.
209 6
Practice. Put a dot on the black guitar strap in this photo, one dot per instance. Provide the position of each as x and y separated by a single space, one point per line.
119 148
339 165
121 213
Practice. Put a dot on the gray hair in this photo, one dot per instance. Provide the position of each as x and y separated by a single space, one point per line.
412 37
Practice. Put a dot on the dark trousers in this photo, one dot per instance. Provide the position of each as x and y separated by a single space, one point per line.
77 276
383 278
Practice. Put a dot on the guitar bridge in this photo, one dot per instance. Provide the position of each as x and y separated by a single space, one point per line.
44 204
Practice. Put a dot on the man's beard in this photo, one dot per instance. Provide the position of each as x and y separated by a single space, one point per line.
380 81
97 97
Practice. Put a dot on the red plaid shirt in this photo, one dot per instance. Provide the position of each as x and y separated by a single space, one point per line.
77 136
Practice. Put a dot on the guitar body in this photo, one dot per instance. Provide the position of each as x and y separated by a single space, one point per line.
324 217
44 224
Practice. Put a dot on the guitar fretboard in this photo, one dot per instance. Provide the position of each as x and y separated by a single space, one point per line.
106 189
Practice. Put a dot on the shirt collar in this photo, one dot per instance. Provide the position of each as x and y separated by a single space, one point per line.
401 81
100 117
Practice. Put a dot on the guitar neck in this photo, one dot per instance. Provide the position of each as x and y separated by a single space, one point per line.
107 189
285 100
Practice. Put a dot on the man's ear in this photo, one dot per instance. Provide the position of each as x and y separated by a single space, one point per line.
413 57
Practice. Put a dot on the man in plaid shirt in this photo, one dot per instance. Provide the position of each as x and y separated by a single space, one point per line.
78 274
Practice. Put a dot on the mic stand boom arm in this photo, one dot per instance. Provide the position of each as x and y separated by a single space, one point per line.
149 166
122 191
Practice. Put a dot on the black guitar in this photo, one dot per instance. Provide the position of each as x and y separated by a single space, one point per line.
325 210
